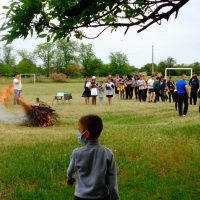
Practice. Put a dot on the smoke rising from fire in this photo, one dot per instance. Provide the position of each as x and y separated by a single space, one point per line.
8 112
28 115
11 116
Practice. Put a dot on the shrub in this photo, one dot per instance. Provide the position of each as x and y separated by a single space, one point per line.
57 77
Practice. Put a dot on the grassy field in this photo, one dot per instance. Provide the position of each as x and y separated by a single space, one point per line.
157 152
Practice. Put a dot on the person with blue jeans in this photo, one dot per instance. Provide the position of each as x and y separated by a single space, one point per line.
183 95
17 89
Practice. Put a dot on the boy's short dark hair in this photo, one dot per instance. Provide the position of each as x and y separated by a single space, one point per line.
92 123
157 78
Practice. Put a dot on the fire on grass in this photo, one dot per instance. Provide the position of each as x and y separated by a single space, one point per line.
39 114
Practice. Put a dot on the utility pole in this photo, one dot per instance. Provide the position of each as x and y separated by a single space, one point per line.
152 60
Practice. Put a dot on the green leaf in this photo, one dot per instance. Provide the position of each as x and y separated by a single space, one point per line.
7 14
31 32
13 4
48 38
52 24
5 7
42 35
3 28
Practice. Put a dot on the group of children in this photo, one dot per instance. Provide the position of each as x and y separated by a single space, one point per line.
154 89
93 89
93 166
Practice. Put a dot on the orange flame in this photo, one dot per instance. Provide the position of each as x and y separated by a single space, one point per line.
7 93
42 119
7 98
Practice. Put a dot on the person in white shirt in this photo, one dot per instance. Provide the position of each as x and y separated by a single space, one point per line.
150 88
141 84
109 90
87 93
93 89
17 89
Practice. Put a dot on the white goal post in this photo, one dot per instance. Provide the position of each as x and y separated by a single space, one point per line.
34 78
177 69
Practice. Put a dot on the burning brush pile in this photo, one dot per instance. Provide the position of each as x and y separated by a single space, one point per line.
38 114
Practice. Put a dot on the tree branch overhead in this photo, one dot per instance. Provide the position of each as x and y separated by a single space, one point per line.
65 18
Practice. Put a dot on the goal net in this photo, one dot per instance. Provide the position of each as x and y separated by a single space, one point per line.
167 69
31 77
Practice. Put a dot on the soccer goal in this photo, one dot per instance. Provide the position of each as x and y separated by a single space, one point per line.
167 69
34 77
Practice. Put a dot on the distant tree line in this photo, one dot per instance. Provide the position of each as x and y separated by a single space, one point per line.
68 57
171 63
76 59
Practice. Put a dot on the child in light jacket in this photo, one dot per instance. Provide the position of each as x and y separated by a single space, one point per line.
101 93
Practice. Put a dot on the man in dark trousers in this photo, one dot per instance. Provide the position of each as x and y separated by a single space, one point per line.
183 95
193 74
156 88
163 86
194 84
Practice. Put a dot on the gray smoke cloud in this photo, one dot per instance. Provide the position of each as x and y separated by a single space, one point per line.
12 116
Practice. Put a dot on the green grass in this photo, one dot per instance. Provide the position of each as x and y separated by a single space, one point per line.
157 152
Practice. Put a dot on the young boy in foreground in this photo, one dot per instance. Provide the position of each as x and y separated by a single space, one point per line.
93 165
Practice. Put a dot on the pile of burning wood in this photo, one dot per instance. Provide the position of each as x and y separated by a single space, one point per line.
39 114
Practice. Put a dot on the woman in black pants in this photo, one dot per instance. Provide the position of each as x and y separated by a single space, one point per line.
136 87
128 82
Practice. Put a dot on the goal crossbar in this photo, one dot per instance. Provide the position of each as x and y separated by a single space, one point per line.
178 69
34 79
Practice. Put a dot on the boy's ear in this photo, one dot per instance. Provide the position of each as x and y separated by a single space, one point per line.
87 134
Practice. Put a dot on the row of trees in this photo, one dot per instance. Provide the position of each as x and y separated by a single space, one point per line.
77 59
68 57
171 63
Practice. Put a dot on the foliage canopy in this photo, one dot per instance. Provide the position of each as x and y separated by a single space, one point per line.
65 18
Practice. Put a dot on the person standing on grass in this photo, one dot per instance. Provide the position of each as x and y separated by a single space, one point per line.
101 93
170 89
193 74
87 93
150 89
141 86
116 83
156 88
183 95
145 87
136 87
109 90
127 83
93 166
121 87
194 88
93 88
132 87
17 89
163 87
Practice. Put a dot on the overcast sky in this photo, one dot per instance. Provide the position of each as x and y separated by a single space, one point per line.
178 38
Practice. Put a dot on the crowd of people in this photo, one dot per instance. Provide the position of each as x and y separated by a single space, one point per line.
154 89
